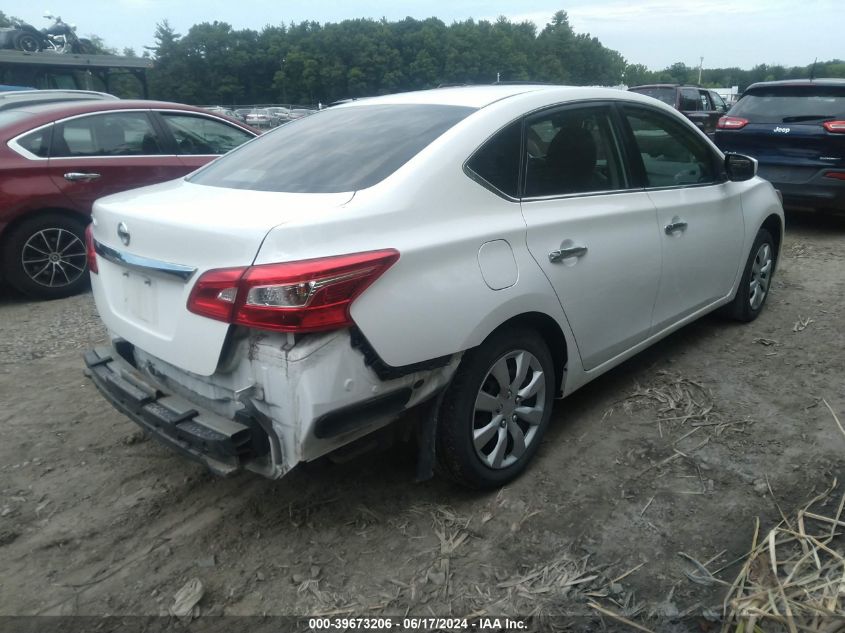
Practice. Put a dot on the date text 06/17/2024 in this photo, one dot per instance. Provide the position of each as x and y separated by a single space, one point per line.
418 624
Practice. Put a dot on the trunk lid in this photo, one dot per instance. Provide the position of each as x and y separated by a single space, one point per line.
176 232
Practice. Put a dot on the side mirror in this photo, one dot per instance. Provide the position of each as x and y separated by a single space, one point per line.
739 167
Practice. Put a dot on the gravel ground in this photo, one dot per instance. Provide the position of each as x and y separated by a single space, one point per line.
674 451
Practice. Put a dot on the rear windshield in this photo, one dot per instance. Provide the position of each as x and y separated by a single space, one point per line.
666 95
343 149
791 104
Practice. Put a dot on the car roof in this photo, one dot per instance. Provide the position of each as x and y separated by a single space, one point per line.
481 96
665 86
22 98
798 82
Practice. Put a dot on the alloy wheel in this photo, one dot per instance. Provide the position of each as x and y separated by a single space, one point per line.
508 409
53 257
761 275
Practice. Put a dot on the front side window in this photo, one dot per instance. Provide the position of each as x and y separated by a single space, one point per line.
497 161
335 150
572 151
112 134
705 101
201 135
672 155
718 103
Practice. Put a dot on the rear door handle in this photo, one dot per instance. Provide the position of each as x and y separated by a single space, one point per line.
676 224
76 176
566 253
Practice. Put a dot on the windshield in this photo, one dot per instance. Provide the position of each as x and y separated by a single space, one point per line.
664 94
785 104
339 149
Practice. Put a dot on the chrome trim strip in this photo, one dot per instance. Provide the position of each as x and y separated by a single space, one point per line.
144 264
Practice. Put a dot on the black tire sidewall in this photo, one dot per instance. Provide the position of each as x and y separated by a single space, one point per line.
741 307
26 36
455 449
12 245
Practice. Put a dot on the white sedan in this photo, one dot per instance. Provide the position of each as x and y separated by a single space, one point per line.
480 251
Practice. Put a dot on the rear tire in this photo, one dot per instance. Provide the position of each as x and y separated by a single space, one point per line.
496 410
755 284
44 256
27 43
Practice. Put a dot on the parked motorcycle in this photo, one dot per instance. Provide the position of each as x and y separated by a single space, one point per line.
59 37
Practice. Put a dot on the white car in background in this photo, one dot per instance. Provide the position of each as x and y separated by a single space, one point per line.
479 250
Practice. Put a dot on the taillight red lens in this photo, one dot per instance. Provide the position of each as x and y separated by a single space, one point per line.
838 175
837 127
90 253
304 296
215 293
731 123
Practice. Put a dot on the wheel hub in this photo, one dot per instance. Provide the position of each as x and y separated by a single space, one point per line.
53 257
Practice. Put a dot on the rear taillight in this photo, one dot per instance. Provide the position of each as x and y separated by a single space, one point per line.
837 127
731 123
304 296
838 175
90 253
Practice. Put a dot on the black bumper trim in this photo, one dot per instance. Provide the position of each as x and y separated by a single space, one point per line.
221 444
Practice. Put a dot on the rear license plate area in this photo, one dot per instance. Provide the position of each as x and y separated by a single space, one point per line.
139 297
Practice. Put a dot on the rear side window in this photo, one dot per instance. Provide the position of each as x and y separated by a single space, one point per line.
664 94
672 155
791 104
338 149
37 142
690 100
113 134
497 161
572 151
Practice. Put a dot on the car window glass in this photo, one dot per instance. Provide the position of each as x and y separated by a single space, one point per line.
718 102
497 161
335 150
572 151
663 93
202 135
705 101
672 155
689 100
37 142
788 104
112 134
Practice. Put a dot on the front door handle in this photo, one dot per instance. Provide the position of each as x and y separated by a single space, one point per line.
677 224
565 253
76 176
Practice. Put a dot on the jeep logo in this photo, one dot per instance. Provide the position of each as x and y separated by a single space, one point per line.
781 130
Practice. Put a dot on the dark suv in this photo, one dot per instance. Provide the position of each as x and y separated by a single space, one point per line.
701 106
796 130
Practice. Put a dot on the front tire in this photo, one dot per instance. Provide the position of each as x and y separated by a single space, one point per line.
756 280
44 256
496 409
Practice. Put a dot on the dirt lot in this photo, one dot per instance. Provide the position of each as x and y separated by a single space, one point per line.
669 453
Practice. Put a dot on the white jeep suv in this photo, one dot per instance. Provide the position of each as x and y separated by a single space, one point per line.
479 250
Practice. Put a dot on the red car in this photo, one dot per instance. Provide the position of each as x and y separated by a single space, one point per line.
56 159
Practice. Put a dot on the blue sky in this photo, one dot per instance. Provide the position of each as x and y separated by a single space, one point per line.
656 33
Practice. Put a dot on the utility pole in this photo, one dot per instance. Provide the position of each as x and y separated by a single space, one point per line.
700 66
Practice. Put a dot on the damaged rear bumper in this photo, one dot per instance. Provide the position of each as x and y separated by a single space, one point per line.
223 445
